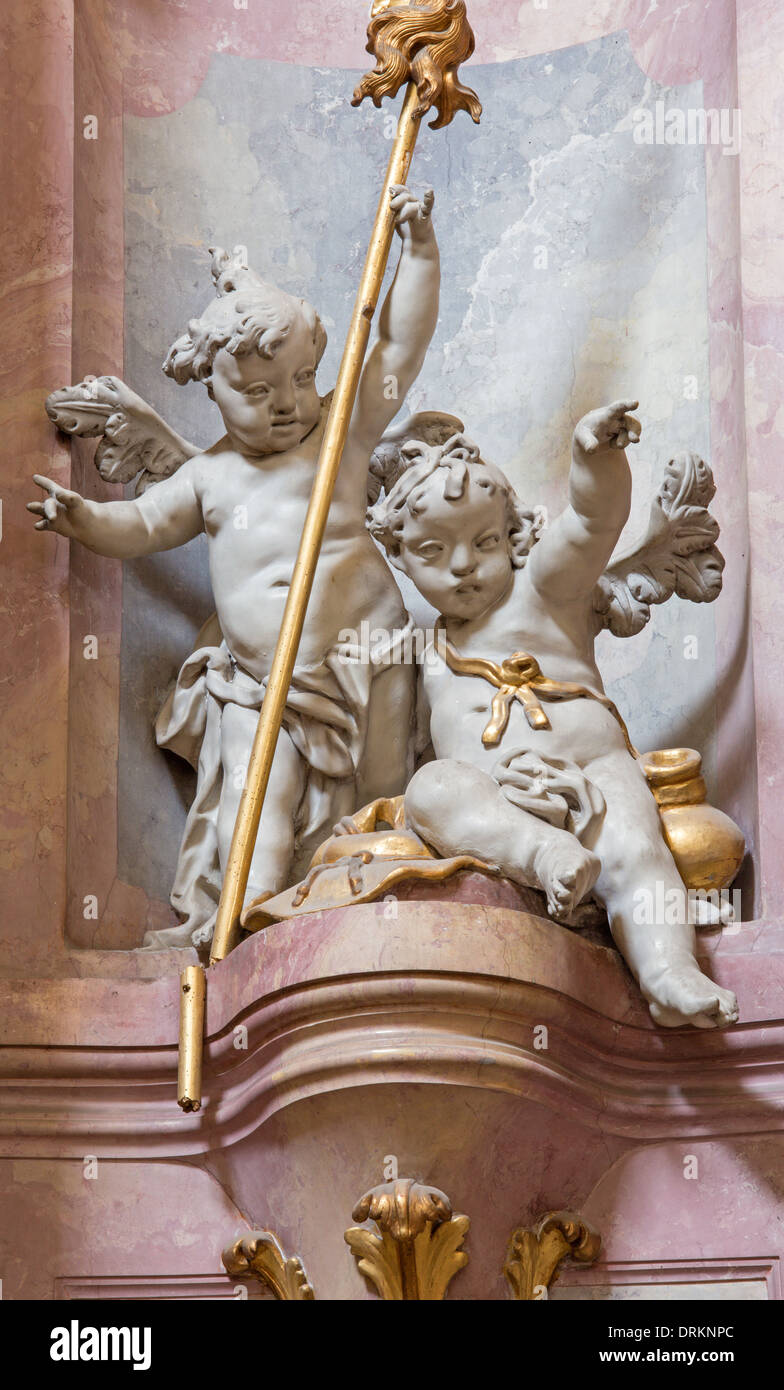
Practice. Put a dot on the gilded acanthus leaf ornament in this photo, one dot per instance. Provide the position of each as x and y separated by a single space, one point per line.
417 1251
259 1253
534 1254
424 42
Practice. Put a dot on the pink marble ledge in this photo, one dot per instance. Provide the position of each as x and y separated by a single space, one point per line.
446 994
113 998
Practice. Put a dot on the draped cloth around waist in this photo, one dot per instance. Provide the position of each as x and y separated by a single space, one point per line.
326 718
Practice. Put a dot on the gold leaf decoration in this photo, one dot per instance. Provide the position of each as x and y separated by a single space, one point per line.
259 1253
534 1254
424 42
416 1253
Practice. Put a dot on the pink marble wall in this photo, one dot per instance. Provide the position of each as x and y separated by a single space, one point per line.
760 40
37 102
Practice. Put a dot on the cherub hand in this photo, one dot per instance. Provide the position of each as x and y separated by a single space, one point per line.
412 217
61 512
609 427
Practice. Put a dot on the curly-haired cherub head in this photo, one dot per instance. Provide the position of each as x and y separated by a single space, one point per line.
454 524
257 350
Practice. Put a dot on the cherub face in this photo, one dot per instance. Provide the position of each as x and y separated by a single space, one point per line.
269 404
457 552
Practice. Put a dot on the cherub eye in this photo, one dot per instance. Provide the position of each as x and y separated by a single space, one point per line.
304 378
488 542
429 550
259 388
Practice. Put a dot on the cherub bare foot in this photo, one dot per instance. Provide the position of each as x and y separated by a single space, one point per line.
679 994
704 913
566 873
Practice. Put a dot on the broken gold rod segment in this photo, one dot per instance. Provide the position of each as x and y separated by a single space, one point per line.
193 985
423 42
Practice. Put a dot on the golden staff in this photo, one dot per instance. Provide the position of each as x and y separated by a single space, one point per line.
193 984
421 43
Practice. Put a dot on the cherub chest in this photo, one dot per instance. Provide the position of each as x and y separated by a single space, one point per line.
254 503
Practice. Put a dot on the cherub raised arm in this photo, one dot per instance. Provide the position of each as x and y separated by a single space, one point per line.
257 350
535 772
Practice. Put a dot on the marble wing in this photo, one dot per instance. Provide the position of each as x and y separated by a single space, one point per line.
134 442
388 462
677 556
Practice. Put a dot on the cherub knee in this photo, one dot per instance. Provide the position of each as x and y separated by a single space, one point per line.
425 795
445 802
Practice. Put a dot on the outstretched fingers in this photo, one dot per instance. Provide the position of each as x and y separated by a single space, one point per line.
610 426
629 427
58 497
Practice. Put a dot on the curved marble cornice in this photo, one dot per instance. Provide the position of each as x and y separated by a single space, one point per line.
444 994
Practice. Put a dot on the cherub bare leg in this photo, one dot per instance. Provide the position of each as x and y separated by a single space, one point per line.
274 850
638 875
385 766
458 809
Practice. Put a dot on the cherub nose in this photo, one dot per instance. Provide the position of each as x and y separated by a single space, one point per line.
284 401
463 562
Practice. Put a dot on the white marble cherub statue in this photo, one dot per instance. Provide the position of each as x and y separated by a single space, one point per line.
257 349
535 772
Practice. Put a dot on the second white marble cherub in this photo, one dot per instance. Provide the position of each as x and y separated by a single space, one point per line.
535 772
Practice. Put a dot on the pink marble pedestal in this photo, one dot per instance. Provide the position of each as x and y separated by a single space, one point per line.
494 1054
503 1059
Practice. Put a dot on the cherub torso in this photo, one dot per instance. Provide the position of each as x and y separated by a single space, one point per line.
561 638
254 511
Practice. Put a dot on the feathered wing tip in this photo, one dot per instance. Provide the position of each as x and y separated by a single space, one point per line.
133 441
678 554
424 41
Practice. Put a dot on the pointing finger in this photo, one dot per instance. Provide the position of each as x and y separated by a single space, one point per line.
44 482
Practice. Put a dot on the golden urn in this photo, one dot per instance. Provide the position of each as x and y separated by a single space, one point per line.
706 845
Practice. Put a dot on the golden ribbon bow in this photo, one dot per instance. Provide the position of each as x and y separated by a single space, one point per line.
519 677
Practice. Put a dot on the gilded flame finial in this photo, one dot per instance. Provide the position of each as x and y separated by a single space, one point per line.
424 41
